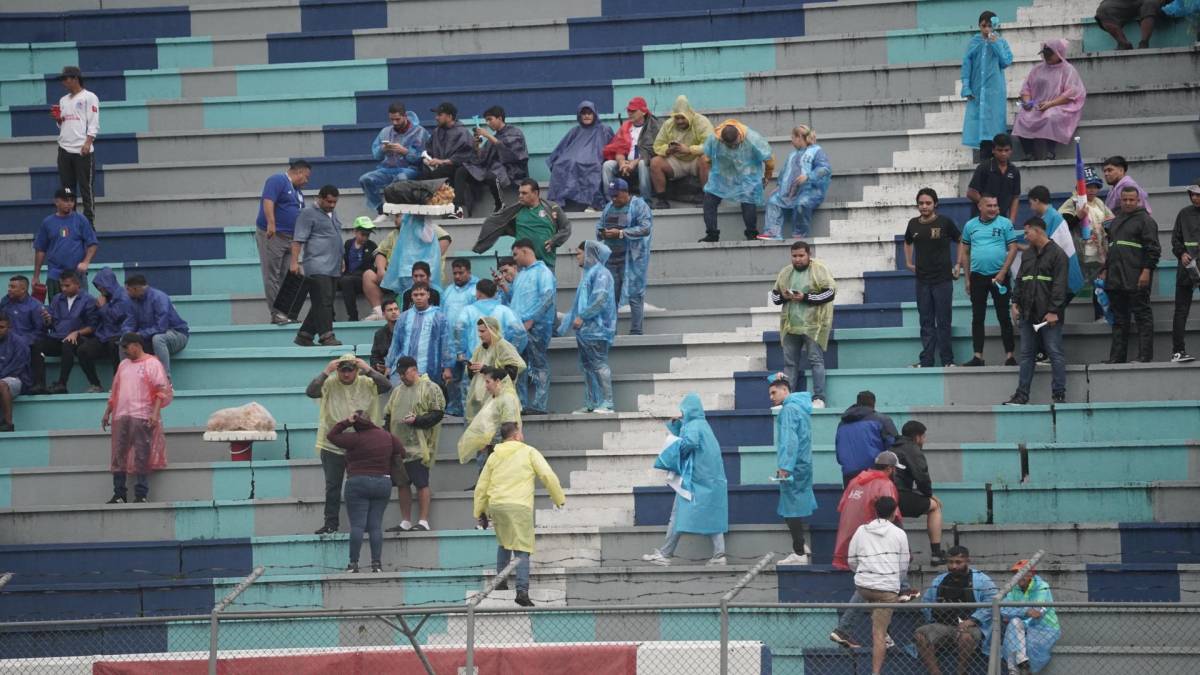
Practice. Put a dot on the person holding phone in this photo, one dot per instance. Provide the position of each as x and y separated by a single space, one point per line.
397 147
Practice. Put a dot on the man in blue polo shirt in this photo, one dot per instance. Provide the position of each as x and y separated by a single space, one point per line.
281 203
987 249
65 241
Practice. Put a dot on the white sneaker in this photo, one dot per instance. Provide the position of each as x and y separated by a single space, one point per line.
716 561
374 316
794 559
605 411
422 525
818 404
1182 357
581 411
383 219
656 558
891 644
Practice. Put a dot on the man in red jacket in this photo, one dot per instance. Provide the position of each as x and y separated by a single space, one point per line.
628 154
857 506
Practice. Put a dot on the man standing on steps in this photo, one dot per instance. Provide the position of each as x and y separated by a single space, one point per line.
861 435
414 414
741 164
64 242
1116 174
78 117
930 237
1039 293
533 302
319 237
997 177
857 506
793 460
1185 245
878 554
805 289
916 488
356 387
987 249
1133 254
593 317
278 210
626 226
140 390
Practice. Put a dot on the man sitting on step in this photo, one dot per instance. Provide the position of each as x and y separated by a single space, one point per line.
964 629
915 487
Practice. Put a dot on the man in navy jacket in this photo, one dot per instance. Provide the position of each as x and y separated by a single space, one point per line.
861 436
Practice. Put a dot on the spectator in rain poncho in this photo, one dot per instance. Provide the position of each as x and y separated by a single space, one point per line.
803 183
415 240
422 333
502 406
679 150
593 317
398 148
984 87
577 160
1052 101
626 226
793 461
533 302
414 415
466 338
491 351
741 164
140 390
456 297
1031 631
702 501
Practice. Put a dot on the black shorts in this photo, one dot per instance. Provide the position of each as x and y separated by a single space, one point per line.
415 474
1124 11
913 504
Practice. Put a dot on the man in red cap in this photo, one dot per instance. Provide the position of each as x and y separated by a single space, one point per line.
629 152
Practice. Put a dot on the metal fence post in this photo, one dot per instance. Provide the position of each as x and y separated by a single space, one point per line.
729 596
220 607
473 602
997 627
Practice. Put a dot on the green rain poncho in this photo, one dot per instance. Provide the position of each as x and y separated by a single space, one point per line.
422 397
339 401
802 318
499 355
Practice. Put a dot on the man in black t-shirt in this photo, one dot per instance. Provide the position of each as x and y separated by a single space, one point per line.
931 237
997 177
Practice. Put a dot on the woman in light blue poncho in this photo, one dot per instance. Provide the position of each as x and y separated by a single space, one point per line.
984 87
803 183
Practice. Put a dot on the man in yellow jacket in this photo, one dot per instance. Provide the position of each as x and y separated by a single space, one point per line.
505 494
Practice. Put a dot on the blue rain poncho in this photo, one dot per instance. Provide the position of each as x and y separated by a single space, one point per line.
595 300
1041 633
737 173
416 240
576 161
637 222
812 162
793 453
466 336
456 298
413 139
696 457
983 81
425 336
533 299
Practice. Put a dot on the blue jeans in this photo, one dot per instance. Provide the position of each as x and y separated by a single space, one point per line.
637 296
935 305
1052 343
456 389
797 347
643 177
534 385
166 344
668 547
373 183
503 555
597 375
800 218
366 499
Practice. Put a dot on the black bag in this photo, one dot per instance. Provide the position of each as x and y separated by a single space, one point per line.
292 293
417 192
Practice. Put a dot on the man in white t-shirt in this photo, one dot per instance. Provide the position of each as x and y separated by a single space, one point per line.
78 118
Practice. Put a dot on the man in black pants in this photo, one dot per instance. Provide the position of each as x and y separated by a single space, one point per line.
916 488
449 148
987 249
1185 245
319 236
70 322
1133 253
78 117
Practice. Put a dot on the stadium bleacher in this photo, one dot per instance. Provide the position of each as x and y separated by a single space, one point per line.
200 103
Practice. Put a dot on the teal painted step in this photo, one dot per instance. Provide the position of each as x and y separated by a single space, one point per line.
699 58
956 13
968 462
185 52
1167 33
286 79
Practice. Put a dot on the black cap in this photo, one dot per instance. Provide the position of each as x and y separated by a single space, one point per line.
446 107
71 71
64 193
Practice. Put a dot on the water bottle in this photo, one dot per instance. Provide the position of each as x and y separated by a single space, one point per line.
1000 288
1102 300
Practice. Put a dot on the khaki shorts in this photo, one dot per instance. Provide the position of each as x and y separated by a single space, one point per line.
682 168
939 633
880 618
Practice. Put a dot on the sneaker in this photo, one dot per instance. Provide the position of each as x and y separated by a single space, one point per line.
304 340
352 568
750 236
1010 361
710 239
716 561
95 389
1060 397
818 404
482 523
1182 357
58 388
975 362
793 559
497 207
280 319
331 341
530 411
383 219
844 640
376 567
660 203
327 529
7 427
404 526
374 316
421 526
581 411
1041 360
140 500
458 214
38 390
937 559
523 600
917 365
909 595
604 410
888 641
767 237
1017 399
590 210
657 558
116 499
502 586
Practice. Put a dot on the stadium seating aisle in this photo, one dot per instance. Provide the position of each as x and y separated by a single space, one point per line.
883 102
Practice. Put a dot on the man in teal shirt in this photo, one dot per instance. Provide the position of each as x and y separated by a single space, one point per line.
533 218
987 249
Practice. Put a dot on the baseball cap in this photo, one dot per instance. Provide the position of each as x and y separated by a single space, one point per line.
64 193
1018 565
889 458
364 223
1194 188
445 107
618 185
637 103
1090 177
347 362
70 71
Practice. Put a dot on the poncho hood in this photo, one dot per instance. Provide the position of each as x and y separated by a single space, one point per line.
692 408
595 253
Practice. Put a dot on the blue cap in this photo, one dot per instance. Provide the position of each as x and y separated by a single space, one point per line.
618 185
1090 177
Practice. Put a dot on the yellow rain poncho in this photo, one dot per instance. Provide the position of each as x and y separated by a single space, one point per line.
339 401
482 430
802 318
505 492
699 129
499 355
421 398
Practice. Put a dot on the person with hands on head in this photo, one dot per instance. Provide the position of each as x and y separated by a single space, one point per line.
281 203
414 414
370 454
140 390
987 249
1185 245
15 376
356 387
70 322
1133 255
65 241
1039 293
805 290
793 456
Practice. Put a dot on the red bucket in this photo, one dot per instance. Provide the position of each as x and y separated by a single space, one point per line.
241 451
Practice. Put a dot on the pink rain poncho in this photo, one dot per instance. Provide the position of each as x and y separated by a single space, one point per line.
1047 82
138 443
